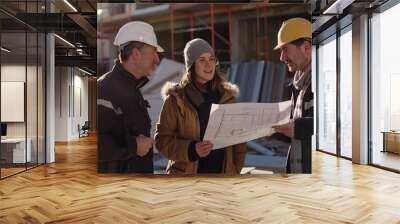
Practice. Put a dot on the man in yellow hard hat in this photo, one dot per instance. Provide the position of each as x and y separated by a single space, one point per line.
294 43
124 141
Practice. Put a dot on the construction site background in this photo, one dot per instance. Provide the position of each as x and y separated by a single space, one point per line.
243 37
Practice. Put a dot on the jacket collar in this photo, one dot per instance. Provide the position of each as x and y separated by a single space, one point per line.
193 95
298 84
227 92
302 79
120 70
195 91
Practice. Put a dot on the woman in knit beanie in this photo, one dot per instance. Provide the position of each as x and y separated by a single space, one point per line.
185 113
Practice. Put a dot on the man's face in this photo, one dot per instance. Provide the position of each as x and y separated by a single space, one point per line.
148 60
295 57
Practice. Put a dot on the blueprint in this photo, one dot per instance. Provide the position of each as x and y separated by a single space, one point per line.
231 124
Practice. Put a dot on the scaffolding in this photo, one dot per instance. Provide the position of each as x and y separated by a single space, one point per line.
176 13
218 24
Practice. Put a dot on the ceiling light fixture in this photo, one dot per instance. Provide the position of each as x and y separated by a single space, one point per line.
65 41
337 7
86 72
5 49
70 5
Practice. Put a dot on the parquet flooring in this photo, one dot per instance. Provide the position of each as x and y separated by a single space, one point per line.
70 191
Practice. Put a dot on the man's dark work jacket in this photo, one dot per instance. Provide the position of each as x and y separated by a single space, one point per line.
122 116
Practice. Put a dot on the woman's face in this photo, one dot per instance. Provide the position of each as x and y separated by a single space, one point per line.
205 67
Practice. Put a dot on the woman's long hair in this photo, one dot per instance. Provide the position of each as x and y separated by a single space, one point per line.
189 77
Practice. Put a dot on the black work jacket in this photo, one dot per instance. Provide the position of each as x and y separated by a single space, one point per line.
122 116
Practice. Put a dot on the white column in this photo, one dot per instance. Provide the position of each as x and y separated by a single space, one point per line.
360 90
50 100
50 92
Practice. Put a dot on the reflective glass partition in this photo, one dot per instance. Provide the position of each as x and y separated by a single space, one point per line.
345 59
41 96
327 95
22 88
31 100
385 89
14 152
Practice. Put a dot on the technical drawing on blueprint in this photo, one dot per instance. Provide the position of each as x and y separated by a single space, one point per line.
231 124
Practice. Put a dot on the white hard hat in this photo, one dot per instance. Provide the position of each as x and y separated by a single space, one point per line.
137 31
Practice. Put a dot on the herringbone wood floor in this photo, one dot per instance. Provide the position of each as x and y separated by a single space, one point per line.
70 191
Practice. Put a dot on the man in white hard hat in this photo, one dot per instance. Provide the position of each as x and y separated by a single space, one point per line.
294 43
124 141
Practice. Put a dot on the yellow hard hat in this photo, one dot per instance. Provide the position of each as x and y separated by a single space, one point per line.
293 29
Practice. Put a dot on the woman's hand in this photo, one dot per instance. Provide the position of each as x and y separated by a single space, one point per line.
203 148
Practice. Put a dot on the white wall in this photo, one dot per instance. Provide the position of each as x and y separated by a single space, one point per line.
79 117
61 103
16 73
70 83
33 126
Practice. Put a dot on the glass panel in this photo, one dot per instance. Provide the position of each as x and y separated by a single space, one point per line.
385 84
346 94
32 87
31 98
327 96
22 63
41 99
13 87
